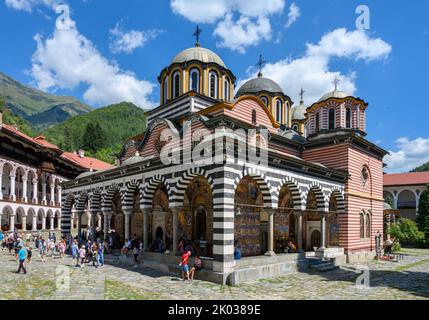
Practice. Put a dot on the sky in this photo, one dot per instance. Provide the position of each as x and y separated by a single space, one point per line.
104 52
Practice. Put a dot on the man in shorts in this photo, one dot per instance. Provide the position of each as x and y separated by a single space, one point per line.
184 265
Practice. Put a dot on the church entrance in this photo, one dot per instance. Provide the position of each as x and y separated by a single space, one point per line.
160 229
284 222
117 222
315 239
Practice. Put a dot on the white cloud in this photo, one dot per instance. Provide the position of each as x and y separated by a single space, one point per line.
293 15
127 41
68 59
312 70
410 154
251 26
28 5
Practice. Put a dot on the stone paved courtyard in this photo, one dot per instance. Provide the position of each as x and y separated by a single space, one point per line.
408 279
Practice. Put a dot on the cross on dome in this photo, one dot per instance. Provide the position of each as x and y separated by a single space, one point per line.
301 94
197 34
261 63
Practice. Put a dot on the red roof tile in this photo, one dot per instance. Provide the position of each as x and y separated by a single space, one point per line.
406 179
86 162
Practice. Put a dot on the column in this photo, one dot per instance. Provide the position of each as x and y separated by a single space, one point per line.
323 230
299 231
417 203
43 223
52 222
52 202
270 251
12 223
79 224
175 227
24 223
106 226
99 222
127 215
109 220
146 231
44 193
34 222
59 190
24 190
1 181
35 191
395 200
12 188
89 218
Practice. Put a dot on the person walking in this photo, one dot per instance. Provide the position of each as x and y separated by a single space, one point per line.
42 249
184 265
82 255
100 255
136 252
29 254
22 255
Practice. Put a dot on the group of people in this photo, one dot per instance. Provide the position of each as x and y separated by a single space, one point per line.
88 252
189 273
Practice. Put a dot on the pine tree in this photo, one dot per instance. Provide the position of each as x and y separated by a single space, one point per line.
93 138
423 214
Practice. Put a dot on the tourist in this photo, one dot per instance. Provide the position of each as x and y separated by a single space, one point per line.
29 254
197 266
82 255
10 243
22 255
125 248
136 253
237 251
42 249
184 265
291 247
62 248
74 252
94 250
100 255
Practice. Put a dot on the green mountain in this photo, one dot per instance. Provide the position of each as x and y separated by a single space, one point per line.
14 120
41 109
101 132
422 168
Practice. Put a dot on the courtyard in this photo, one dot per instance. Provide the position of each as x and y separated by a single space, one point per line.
59 279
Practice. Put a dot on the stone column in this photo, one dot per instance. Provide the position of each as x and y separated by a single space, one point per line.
270 251
44 193
109 220
59 190
52 202
34 222
12 223
43 223
12 188
99 221
127 215
175 212
35 191
323 230
106 225
299 231
24 223
395 201
24 190
89 218
52 223
145 230
79 224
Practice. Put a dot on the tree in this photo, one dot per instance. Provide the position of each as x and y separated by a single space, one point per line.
423 213
406 232
94 138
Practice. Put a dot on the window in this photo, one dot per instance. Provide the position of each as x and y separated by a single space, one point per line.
194 80
368 225
295 127
331 119
348 118
362 225
264 100
176 84
254 117
213 90
226 89
317 121
364 176
279 111
165 89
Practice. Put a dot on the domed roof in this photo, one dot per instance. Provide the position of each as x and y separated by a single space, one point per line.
298 112
85 174
259 84
200 54
334 94
387 206
132 160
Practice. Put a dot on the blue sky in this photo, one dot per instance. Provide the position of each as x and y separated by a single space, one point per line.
107 51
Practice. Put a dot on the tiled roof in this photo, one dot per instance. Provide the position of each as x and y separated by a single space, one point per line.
86 162
406 179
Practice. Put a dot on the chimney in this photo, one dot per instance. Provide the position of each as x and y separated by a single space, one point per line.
81 153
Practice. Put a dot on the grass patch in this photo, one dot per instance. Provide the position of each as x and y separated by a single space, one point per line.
116 290
412 265
29 288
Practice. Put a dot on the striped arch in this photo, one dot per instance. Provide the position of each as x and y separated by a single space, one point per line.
146 196
270 201
66 213
321 202
81 201
341 204
95 202
130 188
106 204
178 193
292 185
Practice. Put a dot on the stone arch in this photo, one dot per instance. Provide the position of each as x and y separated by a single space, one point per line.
95 203
150 188
291 183
5 214
66 213
108 197
183 182
320 198
338 195
130 189
270 201
19 217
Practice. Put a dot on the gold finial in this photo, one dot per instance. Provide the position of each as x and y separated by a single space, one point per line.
197 34
260 64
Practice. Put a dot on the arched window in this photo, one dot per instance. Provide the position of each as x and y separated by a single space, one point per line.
279 111
295 127
194 80
348 118
254 117
368 226
264 99
331 119
165 89
362 225
226 89
317 121
176 84
213 89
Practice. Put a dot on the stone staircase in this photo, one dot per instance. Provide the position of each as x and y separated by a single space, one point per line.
322 264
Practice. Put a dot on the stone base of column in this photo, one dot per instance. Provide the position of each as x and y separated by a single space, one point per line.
270 254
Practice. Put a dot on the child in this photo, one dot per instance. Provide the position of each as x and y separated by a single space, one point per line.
82 254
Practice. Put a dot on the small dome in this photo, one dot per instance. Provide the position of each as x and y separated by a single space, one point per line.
298 112
387 206
257 85
334 94
132 160
85 174
200 54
